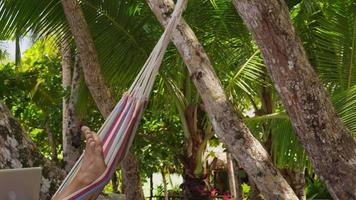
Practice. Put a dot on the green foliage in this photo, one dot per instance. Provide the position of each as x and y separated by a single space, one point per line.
158 143
159 191
327 31
124 33
245 190
33 91
315 189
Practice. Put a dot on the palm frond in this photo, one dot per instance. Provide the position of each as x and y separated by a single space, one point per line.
245 81
345 104
40 17
335 45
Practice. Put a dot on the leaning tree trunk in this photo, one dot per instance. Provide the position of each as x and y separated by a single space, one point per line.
226 122
330 146
17 150
71 134
99 91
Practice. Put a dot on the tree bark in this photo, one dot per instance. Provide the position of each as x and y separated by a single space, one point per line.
233 183
131 178
99 91
151 187
17 150
330 146
296 179
52 143
72 140
227 124
115 185
17 50
238 180
165 184
254 194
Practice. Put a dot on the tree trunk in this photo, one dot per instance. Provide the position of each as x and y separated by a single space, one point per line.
233 179
115 185
330 146
266 108
17 150
151 186
194 176
227 124
72 140
52 143
296 179
131 178
17 50
165 184
255 194
238 180
96 85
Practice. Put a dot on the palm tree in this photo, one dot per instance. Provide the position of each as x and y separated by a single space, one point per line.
113 27
227 125
37 21
71 134
312 114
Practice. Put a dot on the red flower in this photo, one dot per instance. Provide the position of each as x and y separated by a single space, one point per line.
213 193
227 196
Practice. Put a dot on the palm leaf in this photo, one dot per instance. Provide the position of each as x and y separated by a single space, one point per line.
336 43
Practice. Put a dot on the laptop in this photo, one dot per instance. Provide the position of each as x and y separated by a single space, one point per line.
20 183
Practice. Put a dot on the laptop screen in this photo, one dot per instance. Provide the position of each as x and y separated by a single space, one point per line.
20 184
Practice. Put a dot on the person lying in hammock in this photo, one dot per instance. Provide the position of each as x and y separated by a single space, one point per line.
92 166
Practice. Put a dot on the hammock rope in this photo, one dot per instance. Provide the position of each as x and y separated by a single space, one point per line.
118 130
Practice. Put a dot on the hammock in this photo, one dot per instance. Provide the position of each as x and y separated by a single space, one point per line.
119 128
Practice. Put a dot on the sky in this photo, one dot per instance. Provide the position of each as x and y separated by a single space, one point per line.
9 46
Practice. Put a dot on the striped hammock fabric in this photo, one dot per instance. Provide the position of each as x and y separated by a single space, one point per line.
119 129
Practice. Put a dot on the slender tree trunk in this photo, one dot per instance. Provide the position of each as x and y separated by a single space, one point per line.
151 187
226 122
18 150
115 185
238 180
17 51
233 180
330 146
99 91
165 184
52 143
72 142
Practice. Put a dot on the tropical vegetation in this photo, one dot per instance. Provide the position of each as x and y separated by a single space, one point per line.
176 130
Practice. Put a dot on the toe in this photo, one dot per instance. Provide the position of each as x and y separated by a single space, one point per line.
96 138
84 129
98 146
86 132
88 136
89 143
92 147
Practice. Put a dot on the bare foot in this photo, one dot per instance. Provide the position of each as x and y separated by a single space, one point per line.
92 166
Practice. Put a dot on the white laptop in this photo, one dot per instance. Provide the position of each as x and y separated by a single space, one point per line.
20 184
